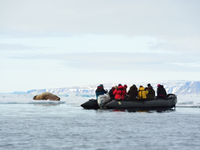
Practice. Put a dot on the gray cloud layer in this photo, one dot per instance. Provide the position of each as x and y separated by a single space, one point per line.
176 21
136 17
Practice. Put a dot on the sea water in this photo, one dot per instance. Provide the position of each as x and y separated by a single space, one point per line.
27 124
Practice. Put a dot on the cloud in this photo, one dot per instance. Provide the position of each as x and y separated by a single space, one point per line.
93 43
107 39
101 52
132 61
174 22
17 47
59 70
195 64
116 61
138 17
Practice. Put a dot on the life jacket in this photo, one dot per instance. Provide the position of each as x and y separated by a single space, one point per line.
119 93
142 94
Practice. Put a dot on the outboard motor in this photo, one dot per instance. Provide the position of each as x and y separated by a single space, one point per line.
103 99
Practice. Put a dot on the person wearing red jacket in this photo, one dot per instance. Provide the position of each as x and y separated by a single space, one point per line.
119 92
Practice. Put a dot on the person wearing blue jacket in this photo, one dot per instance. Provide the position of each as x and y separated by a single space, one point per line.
100 90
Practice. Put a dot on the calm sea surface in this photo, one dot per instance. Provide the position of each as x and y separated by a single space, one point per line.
68 126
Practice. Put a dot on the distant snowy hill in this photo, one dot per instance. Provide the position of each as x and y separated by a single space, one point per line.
77 91
177 87
183 87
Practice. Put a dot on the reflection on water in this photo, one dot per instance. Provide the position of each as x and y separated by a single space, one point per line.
47 103
151 111
160 110
145 111
186 106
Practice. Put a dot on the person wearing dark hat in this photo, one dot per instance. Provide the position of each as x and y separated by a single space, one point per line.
151 92
100 90
112 96
125 89
132 93
161 92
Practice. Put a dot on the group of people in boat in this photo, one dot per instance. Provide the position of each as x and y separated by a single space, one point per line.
143 93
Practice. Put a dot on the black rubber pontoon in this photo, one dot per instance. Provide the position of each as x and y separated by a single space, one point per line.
155 104
91 104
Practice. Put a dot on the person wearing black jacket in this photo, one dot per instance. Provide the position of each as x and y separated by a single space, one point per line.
151 92
132 93
161 92
112 96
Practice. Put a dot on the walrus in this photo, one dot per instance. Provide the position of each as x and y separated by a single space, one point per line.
46 96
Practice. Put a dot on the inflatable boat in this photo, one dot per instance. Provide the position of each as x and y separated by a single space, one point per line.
155 104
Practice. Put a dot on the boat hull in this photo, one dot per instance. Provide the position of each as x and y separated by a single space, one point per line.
91 104
136 104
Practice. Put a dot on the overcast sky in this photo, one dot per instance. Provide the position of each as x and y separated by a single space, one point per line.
60 43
